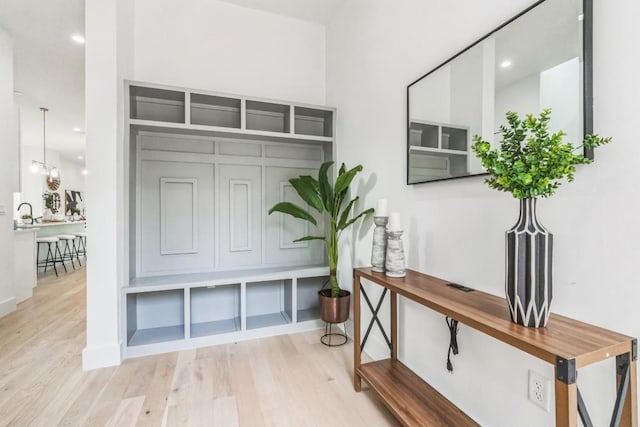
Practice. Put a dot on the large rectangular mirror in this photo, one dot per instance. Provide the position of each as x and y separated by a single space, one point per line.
539 59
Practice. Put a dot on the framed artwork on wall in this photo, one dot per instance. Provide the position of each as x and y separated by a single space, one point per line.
73 202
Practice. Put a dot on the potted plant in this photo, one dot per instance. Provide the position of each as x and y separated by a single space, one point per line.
330 201
530 163
47 198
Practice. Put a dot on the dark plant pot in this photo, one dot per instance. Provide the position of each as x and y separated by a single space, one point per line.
334 310
529 251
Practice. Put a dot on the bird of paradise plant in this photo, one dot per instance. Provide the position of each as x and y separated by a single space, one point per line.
329 200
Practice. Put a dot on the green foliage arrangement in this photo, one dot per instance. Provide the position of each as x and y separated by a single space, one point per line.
329 200
47 198
530 161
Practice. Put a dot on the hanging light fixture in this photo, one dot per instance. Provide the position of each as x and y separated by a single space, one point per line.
43 167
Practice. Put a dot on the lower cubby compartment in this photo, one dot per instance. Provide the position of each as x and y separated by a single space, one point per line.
215 310
308 304
154 317
269 303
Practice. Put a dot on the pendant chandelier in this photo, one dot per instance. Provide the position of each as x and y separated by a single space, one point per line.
42 166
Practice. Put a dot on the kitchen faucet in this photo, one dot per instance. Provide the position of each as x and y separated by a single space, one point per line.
30 209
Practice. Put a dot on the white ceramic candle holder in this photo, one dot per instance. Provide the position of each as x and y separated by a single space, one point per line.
379 250
394 262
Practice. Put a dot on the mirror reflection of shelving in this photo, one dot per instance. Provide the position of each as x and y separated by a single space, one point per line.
437 150
436 137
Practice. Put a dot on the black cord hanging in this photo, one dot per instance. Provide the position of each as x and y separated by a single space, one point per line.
452 324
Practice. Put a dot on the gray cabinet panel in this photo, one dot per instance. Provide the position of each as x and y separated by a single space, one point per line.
240 207
176 236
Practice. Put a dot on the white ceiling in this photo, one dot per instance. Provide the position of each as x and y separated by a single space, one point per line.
48 70
318 11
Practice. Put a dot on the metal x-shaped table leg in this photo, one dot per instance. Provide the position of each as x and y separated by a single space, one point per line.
374 318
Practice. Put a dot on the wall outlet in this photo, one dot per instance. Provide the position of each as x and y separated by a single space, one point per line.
539 390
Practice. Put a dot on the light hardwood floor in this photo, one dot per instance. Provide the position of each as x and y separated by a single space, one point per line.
289 380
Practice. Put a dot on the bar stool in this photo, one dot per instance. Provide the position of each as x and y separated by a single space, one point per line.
51 257
82 243
69 252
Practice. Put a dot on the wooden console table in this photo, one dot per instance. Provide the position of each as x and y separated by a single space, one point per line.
566 343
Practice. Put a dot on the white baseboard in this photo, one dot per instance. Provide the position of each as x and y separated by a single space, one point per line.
101 357
7 306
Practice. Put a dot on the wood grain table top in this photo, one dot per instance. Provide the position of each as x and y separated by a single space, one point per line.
562 337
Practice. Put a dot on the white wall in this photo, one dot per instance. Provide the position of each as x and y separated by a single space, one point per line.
8 172
455 229
431 98
108 62
200 44
218 46
561 91
521 96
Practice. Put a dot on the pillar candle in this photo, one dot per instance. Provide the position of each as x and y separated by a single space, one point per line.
382 208
394 221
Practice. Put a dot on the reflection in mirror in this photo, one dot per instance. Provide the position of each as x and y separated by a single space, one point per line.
531 63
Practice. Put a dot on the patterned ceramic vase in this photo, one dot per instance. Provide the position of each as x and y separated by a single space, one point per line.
529 250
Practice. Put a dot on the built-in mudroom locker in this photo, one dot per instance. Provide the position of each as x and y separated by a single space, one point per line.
207 263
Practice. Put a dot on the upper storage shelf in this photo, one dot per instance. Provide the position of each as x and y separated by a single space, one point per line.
269 117
157 104
215 111
226 115
312 121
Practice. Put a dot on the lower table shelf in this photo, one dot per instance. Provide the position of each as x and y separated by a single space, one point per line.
409 398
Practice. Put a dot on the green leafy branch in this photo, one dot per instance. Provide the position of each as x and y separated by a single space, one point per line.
530 161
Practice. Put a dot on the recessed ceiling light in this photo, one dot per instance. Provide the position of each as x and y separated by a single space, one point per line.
505 64
85 172
78 38
580 17
77 129
80 157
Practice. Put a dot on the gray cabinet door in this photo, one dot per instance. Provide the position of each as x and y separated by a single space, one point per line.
176 217
240 212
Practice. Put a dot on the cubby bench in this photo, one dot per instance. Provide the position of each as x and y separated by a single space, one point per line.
176 312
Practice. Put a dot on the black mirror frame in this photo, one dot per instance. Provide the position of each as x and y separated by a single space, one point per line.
587 80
